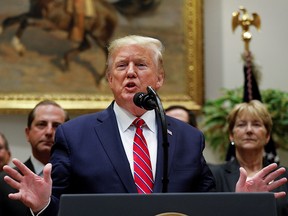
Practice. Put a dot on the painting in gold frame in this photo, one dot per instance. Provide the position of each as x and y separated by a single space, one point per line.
37 75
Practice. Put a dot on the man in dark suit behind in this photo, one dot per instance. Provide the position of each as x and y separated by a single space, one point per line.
41 126
93 153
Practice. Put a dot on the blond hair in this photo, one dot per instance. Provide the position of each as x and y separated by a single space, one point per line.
254 108
153 44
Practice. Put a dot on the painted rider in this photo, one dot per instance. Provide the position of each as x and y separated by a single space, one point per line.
79 9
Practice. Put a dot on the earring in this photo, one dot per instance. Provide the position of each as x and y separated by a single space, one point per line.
232 143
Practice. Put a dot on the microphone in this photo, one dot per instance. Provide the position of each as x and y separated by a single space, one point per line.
151 101
145 101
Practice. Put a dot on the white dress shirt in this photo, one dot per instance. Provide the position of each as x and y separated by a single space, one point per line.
127 131
38 166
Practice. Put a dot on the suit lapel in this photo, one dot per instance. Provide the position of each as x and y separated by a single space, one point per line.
106 129
29 164
232 173
115 151
158 186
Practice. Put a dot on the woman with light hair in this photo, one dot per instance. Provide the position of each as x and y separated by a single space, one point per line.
249 126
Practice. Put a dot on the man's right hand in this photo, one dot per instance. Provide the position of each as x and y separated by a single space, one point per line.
33 190
263 181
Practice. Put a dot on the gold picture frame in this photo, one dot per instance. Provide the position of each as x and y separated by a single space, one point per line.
191 53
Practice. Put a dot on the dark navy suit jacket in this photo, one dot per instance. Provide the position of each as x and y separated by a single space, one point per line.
10 207
89 157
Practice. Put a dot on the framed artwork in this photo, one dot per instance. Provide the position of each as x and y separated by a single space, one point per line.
37 71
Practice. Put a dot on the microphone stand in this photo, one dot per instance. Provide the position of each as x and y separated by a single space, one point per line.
165 144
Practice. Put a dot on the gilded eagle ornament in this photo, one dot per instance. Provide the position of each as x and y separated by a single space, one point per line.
245 21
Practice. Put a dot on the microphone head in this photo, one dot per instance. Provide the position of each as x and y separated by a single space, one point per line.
137 99
145 101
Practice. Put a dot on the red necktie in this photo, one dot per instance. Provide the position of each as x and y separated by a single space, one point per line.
142 165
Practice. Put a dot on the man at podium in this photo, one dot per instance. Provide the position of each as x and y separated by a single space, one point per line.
99 153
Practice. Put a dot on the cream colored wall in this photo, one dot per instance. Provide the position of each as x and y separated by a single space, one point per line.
223 66
13 126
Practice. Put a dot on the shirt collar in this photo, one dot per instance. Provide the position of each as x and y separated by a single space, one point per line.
125 118
38 166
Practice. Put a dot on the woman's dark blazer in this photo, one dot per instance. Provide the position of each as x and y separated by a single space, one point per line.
226 176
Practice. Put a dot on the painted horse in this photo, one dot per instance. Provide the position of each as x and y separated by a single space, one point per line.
52 15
